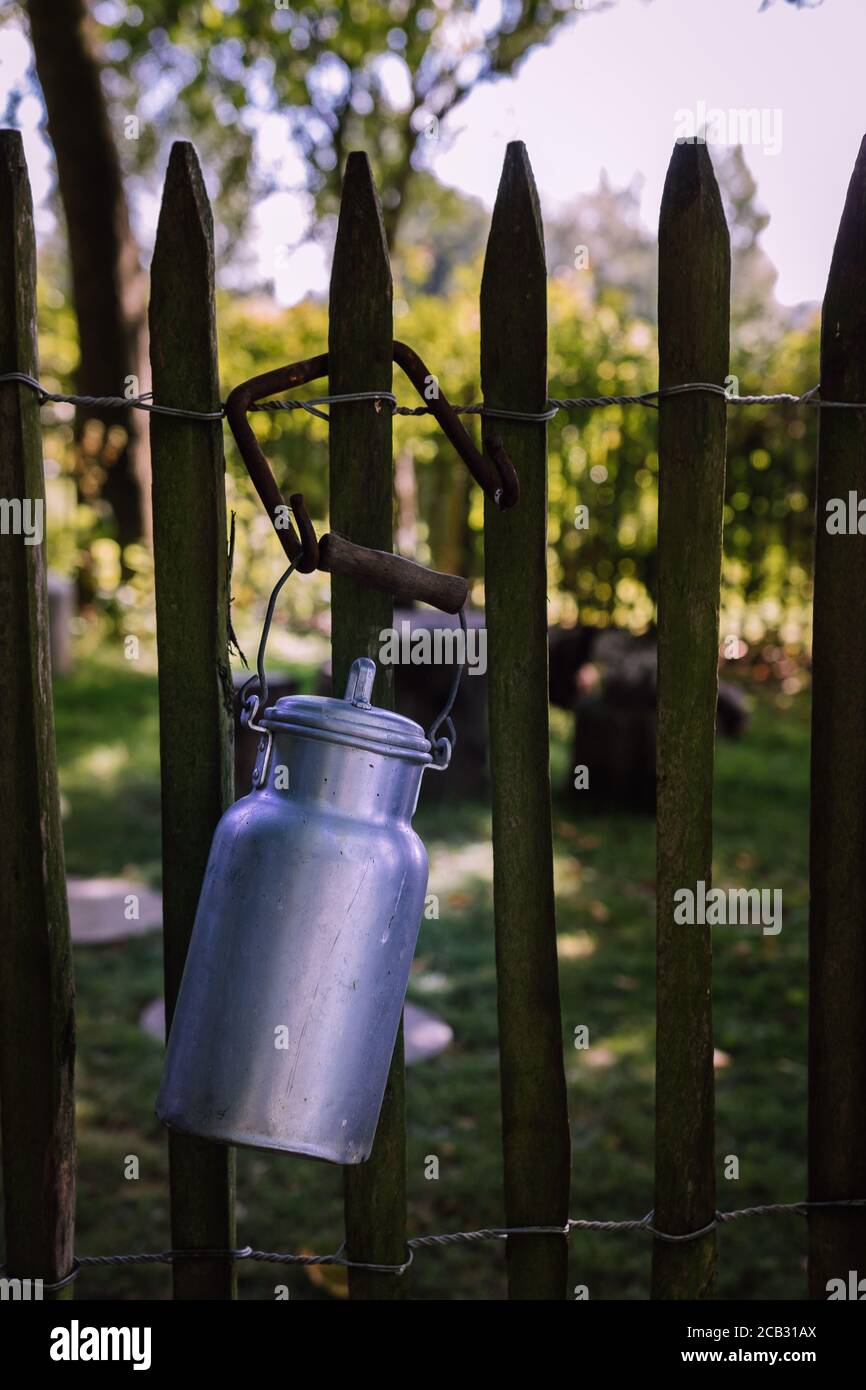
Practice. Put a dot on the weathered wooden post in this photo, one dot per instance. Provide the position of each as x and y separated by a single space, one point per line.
360 340
37 1019
195 690
837 889
534 1105
694 317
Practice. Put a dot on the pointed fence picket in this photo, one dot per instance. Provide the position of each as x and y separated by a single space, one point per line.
360 340
837 896
195 691
694 312
37 1013
535 1133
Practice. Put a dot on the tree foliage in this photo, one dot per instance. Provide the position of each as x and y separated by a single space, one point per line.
358 74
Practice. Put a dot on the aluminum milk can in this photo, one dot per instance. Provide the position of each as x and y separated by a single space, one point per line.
306 926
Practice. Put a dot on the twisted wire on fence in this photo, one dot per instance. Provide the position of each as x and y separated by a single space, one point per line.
649 399
414 1243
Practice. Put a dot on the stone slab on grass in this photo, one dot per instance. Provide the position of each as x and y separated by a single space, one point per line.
102 910
426 1035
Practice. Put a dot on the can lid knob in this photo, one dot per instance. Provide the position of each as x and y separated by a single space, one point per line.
360 683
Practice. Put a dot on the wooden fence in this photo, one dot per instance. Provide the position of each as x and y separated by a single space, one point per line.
36 1011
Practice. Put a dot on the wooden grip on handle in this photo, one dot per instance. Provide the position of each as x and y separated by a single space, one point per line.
403 578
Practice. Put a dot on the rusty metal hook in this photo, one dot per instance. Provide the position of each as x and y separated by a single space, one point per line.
405 579
499 482
304 552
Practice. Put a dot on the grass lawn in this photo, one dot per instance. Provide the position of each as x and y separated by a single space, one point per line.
107 737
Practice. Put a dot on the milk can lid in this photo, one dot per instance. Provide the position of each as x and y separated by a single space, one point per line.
352 720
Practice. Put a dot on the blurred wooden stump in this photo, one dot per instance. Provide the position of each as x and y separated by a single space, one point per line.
607 676
617 743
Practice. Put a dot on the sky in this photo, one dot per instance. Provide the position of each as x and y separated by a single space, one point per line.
613 91
607 92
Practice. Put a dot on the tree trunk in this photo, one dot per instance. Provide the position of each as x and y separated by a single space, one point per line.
108 284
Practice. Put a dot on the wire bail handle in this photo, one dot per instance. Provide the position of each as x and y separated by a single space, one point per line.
253 701
256 700
443 745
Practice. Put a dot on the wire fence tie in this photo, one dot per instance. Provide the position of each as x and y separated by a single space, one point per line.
451 1238
649 399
